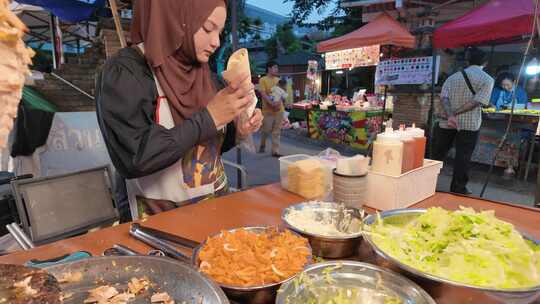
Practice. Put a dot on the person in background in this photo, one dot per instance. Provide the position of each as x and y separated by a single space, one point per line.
462 97
273 112
505 90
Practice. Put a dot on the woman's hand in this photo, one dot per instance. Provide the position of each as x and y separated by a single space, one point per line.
249 126
230 102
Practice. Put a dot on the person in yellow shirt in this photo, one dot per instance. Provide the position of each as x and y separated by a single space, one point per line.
272 110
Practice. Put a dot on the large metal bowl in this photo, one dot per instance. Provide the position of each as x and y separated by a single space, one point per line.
253 294
403 216
374 282
180 280
334 247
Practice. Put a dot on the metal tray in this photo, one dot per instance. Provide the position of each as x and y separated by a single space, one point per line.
181 281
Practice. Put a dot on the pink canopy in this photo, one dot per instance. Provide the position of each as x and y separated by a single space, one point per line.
494 21
383 30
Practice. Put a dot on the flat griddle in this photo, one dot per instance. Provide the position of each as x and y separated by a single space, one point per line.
181 281
44 287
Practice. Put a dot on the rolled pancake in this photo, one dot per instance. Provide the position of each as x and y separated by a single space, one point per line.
237 66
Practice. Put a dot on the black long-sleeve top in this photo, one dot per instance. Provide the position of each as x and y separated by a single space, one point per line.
126 96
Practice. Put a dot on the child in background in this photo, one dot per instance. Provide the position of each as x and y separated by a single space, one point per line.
279 94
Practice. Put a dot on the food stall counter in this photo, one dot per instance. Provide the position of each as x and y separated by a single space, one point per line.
263 206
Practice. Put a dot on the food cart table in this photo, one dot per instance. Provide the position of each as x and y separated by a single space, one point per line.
515 151
354 128
263 206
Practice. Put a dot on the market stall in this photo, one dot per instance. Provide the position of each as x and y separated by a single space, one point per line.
487 25
263 206
353 108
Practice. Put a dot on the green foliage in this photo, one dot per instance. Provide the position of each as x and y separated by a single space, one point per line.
283 42
340 20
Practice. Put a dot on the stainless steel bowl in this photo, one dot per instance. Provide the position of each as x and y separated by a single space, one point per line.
249 295
374 282
334 247
180 280
403 216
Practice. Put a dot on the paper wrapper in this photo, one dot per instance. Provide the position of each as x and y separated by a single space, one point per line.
237 66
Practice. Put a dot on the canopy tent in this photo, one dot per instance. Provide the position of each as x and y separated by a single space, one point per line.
69 10
380 31
37 19
495 21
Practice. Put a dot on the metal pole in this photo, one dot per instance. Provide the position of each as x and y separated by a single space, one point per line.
384 107
432 105
234 34
386 92
537 200
328 86
53 41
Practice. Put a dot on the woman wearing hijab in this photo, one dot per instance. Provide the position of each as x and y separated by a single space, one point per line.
164 123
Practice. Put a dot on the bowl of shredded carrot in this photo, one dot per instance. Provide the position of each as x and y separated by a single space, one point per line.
252 262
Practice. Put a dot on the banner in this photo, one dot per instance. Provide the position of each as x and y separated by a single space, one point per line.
418 70
352 58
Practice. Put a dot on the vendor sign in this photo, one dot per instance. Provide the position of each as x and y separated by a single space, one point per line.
353 58
416 70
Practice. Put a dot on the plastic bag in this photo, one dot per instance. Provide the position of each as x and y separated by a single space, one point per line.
247 143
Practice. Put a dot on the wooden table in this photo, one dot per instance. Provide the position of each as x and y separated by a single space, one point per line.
263 206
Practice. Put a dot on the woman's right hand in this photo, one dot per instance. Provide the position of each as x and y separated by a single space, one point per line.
231 101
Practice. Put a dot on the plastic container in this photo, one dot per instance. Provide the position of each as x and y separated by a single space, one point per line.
409 150
385 192
420 141
388 153
284 163
322 182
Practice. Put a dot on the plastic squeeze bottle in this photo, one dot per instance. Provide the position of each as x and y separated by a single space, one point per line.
409 150
387 153
420 140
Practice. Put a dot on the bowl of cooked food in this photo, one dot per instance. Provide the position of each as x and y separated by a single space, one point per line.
348 282
333 230
251 263
462 248
133 279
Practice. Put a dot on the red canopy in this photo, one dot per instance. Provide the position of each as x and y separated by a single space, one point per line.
382 30
495 21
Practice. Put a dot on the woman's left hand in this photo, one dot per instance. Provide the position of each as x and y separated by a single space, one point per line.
245 128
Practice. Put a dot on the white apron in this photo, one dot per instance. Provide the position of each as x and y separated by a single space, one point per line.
170 183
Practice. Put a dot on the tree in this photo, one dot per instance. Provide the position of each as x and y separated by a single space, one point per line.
340 20
284 41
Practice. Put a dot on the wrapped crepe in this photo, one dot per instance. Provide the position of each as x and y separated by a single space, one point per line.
237 66
13 67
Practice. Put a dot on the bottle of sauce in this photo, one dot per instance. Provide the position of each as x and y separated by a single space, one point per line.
409 150
419 136
387 153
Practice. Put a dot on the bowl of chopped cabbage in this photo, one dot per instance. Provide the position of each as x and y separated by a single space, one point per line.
348 282
462 248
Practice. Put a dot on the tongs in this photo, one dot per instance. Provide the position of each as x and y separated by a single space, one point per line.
163 241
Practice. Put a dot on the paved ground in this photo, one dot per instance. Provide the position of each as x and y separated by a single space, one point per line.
264 169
